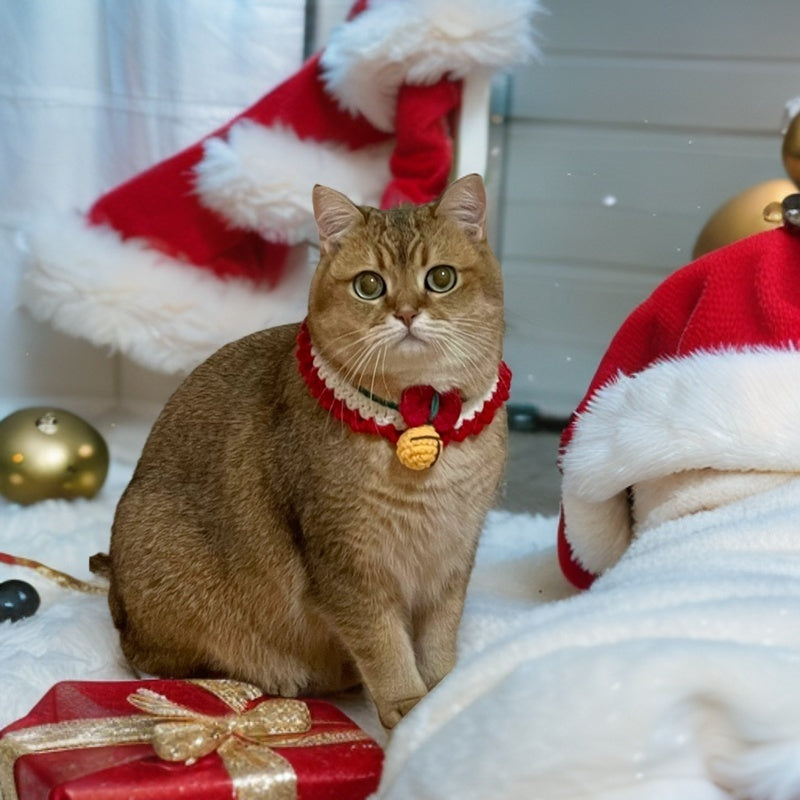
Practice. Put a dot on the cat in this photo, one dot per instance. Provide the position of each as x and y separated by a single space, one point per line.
270 532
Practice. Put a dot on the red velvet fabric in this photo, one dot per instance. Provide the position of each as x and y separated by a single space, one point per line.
159 205
417 407
423 152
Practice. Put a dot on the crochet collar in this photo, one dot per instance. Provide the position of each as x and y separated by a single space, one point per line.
453 417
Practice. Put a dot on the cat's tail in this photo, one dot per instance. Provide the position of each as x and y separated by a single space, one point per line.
55 575
100 565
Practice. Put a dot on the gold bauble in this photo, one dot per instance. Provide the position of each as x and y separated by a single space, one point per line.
47 453
790 150
419 448
743 215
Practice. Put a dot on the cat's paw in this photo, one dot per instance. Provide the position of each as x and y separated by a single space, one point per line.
391 713
433 673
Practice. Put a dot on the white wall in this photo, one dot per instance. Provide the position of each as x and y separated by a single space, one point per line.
641 119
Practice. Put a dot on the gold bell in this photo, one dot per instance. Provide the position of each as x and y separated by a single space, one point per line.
419 448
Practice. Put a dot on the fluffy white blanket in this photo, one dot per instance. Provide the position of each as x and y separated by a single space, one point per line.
675 676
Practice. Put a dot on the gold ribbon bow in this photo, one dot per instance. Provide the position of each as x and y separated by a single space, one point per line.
242 739
187 735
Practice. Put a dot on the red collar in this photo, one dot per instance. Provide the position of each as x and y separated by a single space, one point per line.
453 418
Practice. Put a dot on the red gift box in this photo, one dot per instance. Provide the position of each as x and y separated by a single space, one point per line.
205 740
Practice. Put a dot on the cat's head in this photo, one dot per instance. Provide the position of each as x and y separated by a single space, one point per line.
412 295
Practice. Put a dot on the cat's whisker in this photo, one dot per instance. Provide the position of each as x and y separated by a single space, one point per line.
331 353
378 355
473 341
383 366
361 363
461 352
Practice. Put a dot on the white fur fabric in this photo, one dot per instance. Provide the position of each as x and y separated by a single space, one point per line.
675 676
419 42
260 178
162 313
727 409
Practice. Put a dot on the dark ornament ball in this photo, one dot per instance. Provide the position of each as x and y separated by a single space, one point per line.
17 600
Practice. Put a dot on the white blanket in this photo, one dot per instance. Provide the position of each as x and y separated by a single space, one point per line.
676 676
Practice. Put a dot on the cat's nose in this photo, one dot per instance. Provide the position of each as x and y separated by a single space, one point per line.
406 315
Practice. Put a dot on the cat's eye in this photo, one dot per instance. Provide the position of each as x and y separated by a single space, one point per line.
441 278
369 285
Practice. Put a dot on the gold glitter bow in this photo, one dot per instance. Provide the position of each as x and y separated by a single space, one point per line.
242 739
181 734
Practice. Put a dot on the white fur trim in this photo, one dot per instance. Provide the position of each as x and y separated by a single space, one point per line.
727 410
164 314
421 41
674 496
598 532
260 178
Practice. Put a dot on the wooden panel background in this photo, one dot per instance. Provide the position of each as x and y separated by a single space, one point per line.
637 123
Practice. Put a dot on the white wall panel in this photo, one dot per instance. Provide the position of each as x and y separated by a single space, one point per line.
710 29
639 121
553 316
722 95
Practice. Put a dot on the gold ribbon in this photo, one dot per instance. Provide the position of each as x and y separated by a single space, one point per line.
242 739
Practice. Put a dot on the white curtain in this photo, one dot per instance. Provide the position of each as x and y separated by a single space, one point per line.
94 91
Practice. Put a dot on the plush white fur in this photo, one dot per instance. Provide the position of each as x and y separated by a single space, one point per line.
728 409
164 314
260 178
420 42
673 677
660 500
598 531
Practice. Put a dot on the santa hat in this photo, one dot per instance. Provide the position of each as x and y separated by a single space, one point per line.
209 244
705 373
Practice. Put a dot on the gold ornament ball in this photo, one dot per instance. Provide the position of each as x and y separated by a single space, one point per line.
790 150
419 448
50 453
743 215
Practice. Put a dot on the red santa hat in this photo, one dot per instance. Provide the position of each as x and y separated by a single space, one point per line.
209 244
705 373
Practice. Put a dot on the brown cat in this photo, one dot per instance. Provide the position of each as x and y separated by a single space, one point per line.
270 533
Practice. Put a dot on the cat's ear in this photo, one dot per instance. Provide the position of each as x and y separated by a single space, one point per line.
336 216
464 202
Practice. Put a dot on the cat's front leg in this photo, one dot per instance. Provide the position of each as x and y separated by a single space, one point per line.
385 658
436 630
377 636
